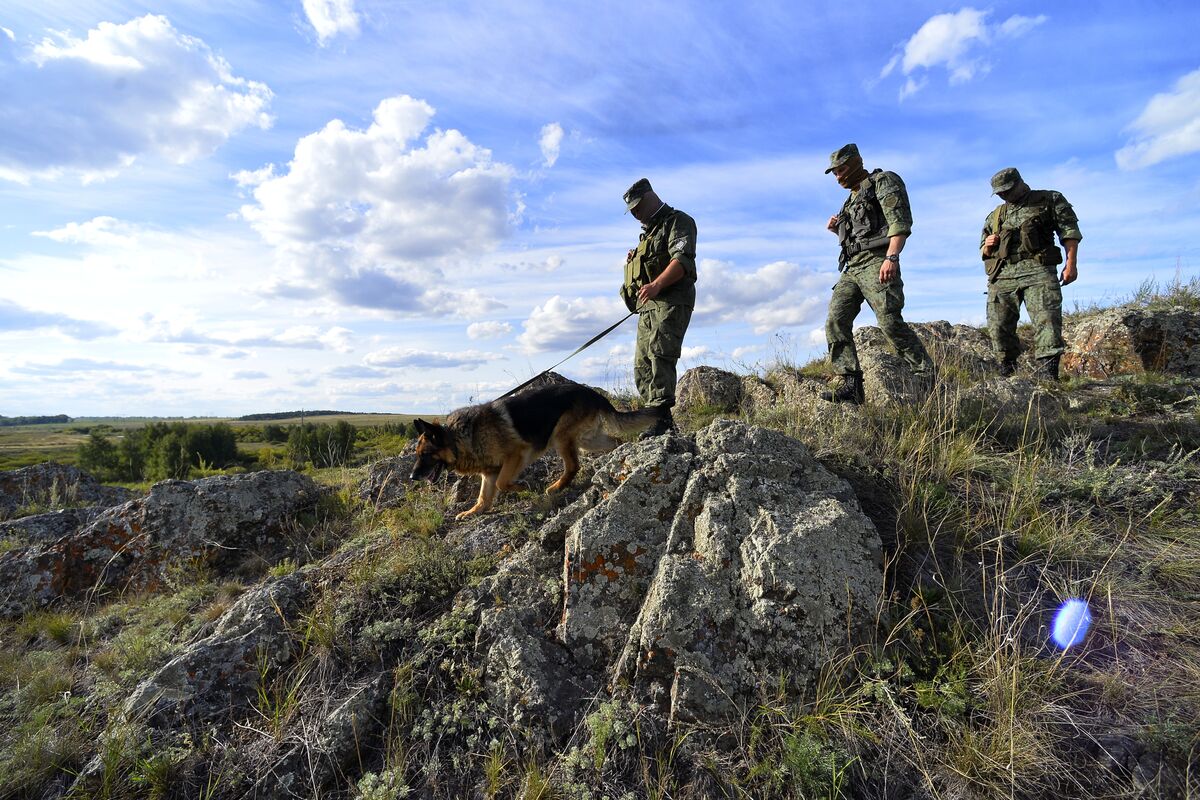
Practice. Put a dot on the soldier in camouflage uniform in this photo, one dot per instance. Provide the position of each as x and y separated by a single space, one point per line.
660 284
1019 256
872 227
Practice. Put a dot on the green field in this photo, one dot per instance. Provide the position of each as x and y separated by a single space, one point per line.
23 445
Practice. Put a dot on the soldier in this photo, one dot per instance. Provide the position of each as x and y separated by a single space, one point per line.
872 227
1019 256
660 284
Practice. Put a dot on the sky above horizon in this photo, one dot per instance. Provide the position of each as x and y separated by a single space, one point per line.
218 208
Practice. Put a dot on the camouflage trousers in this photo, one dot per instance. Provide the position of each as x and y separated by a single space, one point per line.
860 282
661 327
1037 287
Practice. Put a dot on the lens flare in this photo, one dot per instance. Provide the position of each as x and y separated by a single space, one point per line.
1071 623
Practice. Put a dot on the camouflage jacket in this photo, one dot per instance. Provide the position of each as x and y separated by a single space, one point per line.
876 210
1027 229
670 235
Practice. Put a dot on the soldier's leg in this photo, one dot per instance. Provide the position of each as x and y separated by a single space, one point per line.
844 306
1043 300
1003 311
642 368
887 301
666 326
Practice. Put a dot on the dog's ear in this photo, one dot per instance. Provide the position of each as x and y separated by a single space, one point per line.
430 430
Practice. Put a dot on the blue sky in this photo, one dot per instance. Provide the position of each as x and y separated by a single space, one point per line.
219 208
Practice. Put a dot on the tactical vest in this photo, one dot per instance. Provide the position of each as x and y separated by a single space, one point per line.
650 258
861 225
1029 235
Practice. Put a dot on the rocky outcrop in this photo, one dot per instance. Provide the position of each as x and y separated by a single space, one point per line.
218 675
1129 340
708 388
216 522
54 486
47 527
386 482
690 570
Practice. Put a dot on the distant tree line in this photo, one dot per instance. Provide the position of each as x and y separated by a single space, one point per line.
159 450
288 415
177 449
59 418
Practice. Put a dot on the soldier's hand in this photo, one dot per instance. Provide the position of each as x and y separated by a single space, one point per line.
887 271
991 241
629 255
648 292
1069 274
832 224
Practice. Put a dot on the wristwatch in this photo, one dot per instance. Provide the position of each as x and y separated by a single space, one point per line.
895 259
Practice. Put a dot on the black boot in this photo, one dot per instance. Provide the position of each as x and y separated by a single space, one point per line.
851 390
1008 366
664 424
1047 367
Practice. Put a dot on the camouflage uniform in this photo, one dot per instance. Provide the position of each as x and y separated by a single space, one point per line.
875 211
670 235
1022 268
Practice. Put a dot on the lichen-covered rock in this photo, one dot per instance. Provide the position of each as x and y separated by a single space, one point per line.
1014 397
1129 340
788 392
54 486
768 560
218 675
47 527
613 545
692 569
386 483
886 378
962 347
708 388
216 521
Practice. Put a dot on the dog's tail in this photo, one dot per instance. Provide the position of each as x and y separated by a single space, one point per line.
625 423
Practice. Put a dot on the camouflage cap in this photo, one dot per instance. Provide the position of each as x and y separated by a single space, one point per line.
841 156
1005 179
635 193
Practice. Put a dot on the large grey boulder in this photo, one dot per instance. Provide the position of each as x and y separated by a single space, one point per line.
1128 340
54 486
215 521
49 526
708 388
691 570
218 675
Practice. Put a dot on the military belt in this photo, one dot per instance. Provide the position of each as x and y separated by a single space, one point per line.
854 248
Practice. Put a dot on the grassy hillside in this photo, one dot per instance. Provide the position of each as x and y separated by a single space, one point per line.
989 521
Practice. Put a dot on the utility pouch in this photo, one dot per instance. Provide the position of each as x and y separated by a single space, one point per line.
991 266
1032 241
1050 256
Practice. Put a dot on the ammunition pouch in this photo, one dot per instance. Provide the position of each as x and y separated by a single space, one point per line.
642 268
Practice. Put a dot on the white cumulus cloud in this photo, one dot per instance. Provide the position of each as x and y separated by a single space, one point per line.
779 294
551 142
331 17
370 217
562 324
99 231
94 105
1168 126
955 42
488 330
396 357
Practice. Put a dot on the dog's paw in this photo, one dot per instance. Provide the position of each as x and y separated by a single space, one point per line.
470 512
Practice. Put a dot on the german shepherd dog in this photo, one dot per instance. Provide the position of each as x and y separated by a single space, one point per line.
499 439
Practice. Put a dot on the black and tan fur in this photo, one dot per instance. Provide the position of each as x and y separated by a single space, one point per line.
499 439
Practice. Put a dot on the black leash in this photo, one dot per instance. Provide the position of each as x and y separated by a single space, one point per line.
582 347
